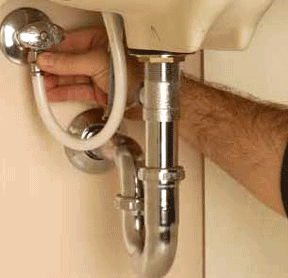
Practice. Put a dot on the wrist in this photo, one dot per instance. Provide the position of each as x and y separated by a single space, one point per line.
271 120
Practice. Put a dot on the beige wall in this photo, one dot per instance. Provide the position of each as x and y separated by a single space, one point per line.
57 222
243 237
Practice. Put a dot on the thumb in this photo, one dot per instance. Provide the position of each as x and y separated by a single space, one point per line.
94 63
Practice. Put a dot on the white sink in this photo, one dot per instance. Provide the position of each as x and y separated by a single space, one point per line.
182 25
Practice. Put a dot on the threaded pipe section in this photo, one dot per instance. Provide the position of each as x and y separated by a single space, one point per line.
162 92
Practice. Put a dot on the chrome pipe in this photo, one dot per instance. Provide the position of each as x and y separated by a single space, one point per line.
153 254
132 217
161 208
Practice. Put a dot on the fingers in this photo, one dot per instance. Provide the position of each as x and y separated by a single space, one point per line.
79 88
84 53
84 39
92 63
82 92
52 81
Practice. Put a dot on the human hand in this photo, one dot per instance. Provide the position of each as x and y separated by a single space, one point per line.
78 69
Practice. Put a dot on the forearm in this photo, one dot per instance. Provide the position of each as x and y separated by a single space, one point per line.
244 137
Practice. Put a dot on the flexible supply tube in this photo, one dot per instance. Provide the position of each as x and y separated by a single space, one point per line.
113 26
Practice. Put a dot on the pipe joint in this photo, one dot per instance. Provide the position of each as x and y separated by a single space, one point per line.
167 175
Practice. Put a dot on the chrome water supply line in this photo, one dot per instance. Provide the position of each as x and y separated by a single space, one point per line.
94 143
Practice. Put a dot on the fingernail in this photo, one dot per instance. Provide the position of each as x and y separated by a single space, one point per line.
46 59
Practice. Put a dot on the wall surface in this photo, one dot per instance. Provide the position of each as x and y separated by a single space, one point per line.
243 237
57 222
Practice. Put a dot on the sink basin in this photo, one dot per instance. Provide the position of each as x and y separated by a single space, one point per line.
183 26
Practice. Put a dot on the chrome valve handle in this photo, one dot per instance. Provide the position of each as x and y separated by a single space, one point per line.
27 29
40 35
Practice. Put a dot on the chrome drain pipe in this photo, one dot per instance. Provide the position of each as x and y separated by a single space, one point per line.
149 180
154 253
